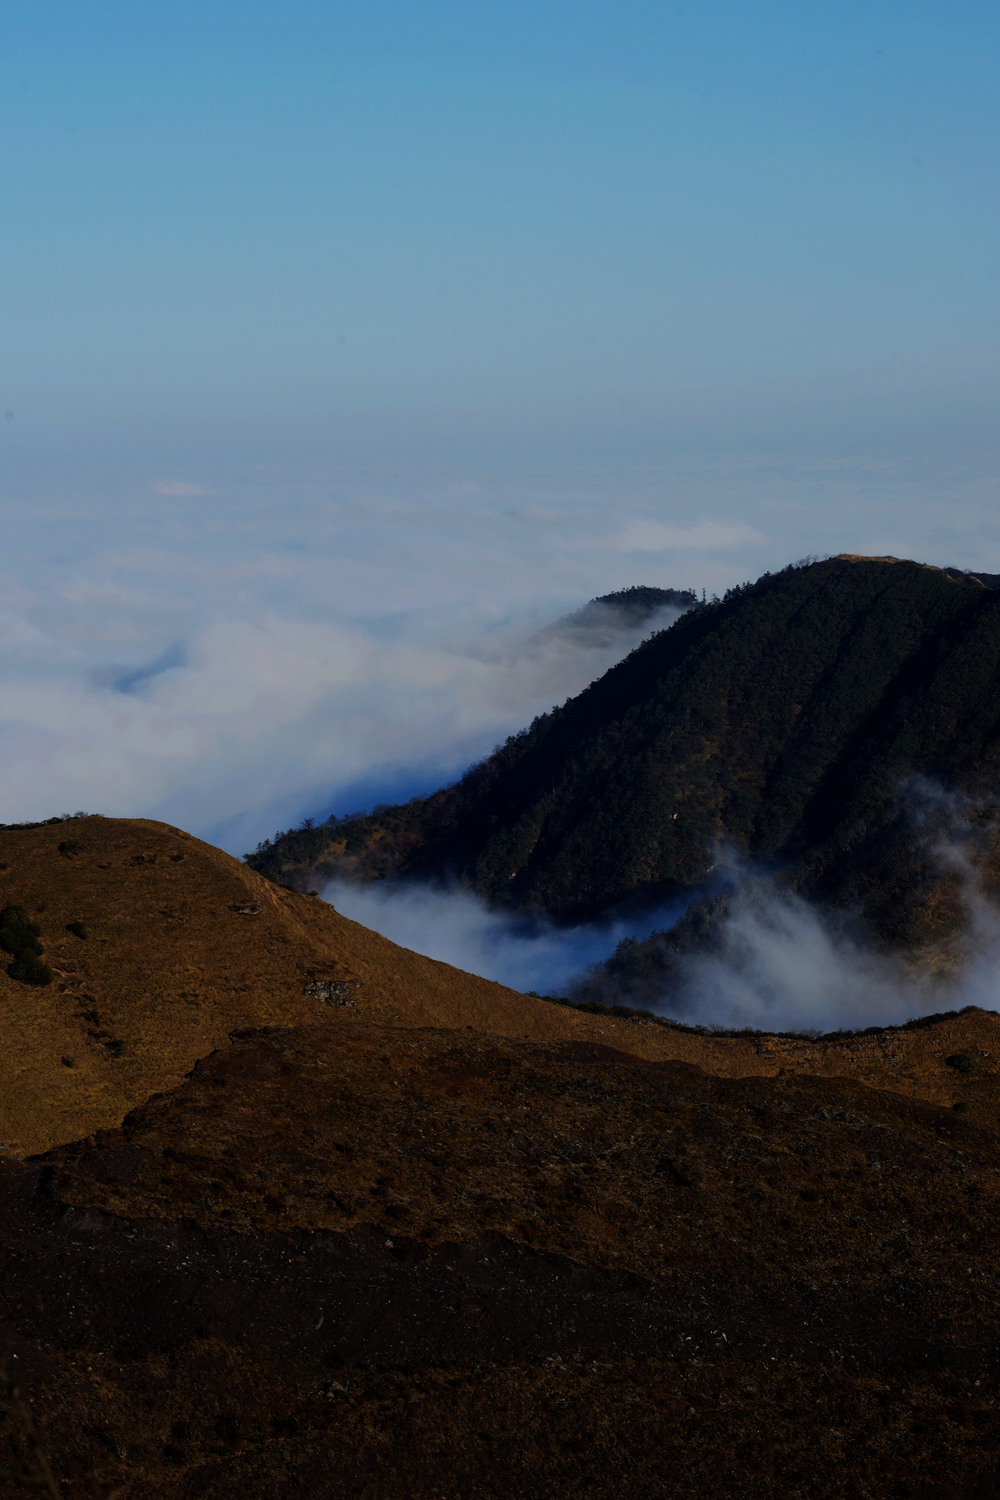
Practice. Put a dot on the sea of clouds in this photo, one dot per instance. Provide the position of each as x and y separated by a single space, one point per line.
231 647
234 656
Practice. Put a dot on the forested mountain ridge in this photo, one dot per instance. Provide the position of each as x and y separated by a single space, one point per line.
780 721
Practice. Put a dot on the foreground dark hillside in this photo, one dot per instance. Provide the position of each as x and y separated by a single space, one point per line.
781 720
368 1262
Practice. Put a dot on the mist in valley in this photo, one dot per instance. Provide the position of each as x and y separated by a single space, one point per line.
453 925
778 962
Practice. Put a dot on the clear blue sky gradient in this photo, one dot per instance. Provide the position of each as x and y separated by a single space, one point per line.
249 210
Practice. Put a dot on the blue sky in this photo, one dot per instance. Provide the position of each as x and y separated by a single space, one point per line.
303 212
342 346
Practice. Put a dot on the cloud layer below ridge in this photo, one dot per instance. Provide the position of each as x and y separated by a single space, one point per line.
232 650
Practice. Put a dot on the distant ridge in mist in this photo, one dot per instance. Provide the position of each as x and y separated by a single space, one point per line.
599 621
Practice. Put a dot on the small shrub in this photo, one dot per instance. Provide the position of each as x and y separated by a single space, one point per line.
19 936
30 969
18 933
114 1047
960 1108
78 929
70 846
962 1062
68 1062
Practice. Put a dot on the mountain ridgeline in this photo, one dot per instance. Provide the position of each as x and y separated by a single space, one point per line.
780 721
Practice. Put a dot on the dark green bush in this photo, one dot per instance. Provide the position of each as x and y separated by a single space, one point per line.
30 969
18 933
70 846
114 1047
78 929
19 936
962 1062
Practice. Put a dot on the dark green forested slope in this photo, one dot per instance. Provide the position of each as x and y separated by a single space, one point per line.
781 719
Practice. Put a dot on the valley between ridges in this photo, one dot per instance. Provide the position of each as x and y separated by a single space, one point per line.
187 945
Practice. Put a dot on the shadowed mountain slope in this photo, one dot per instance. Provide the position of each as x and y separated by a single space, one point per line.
780 720
363 1261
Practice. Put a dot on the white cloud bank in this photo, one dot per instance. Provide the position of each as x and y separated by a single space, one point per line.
230 665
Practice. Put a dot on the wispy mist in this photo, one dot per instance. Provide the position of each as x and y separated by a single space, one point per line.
783 965
780 965
777 961
457 928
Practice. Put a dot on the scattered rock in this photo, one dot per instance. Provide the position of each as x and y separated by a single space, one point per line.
333 991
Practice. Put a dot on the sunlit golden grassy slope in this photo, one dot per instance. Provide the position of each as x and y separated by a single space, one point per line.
187 945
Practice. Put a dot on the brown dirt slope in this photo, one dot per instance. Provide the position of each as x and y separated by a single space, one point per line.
368 1262
187 944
